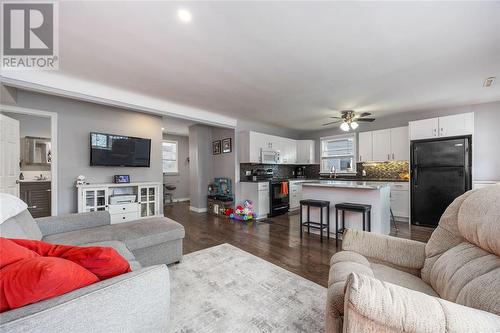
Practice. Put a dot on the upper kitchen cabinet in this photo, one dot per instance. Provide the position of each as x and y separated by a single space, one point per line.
400 146
252 143
456 125
305 152
365 147
382 145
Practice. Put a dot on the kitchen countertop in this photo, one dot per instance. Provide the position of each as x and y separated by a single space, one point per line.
34 181
366 179
347 184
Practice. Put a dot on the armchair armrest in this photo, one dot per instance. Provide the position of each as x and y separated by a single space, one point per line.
375 306
71 222
134 302
399 252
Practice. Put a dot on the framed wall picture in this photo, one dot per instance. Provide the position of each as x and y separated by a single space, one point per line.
216 147
226 146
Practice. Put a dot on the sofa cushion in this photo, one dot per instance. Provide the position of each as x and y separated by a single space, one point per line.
400 278
137 234
21 226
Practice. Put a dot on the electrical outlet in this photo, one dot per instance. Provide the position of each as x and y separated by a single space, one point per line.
248 173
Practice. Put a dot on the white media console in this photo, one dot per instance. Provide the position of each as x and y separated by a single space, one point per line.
124 202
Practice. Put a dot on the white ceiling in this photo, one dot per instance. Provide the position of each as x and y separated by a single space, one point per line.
288 63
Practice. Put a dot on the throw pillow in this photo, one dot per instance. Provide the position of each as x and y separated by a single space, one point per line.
11 252
104 262
35 279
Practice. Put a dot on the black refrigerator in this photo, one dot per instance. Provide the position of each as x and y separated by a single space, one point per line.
440 172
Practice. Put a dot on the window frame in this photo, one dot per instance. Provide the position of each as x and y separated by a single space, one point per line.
176 157
354 153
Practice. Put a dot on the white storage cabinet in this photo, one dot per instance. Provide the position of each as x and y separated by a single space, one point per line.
96 197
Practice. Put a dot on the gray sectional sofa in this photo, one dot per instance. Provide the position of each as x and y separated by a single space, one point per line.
133 302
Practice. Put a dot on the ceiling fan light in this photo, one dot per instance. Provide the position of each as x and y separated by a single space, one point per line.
344 127
354 125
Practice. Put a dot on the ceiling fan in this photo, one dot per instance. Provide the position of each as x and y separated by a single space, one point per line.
349 119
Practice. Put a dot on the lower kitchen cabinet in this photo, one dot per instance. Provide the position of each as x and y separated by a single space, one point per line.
400 201
37 195
258 193
295 193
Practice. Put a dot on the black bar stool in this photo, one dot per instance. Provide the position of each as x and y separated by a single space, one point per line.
351 207
316 225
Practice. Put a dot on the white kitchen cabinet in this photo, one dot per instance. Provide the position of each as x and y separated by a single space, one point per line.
288 151
400 200
382 145
251 144
424 129
459 124
305 151
365 147
295 194
400 145
447 126
258 193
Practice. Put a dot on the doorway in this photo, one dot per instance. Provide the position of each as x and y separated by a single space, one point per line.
29 158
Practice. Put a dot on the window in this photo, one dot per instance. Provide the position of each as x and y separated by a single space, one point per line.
169 157
338 151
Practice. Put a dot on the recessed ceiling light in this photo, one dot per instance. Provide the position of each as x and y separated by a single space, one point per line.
184 15
488 82
163 128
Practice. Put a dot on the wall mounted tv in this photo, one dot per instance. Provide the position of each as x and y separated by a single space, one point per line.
119 150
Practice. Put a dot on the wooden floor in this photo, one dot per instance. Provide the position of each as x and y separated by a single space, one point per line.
276 240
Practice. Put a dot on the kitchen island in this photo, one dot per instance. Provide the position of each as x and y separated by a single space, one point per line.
376 194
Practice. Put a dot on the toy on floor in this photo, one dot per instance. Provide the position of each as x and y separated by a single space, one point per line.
244 212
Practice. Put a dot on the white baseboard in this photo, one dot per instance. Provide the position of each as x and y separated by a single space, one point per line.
181 199
197 210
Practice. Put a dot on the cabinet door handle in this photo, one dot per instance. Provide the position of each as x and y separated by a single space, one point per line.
388 156
392 155
360 158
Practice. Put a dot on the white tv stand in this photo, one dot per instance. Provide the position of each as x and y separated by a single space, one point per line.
95 197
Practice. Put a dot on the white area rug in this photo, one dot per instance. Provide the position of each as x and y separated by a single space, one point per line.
225 289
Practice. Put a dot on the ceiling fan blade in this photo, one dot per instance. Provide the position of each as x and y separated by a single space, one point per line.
335 117
331 123
368 120
364 114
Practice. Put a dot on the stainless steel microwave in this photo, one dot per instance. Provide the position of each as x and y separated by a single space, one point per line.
269 156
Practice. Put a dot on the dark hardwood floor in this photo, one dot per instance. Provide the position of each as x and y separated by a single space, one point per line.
276 240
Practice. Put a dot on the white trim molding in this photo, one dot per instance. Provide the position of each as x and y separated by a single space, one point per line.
53 140
57 85
198 210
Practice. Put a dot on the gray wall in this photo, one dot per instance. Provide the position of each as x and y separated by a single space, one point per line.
75 121
200 164
32 125
181 180
204 166
485 141
224 165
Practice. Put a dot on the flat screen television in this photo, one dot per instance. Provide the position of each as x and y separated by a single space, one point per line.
119 150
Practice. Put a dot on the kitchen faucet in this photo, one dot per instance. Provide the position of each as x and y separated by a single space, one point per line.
333 172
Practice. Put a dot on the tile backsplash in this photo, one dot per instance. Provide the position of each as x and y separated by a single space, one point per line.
385 170
280 171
